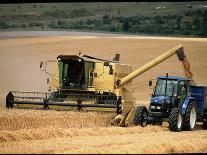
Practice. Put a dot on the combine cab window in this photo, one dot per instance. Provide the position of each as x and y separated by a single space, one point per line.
171 87
74 74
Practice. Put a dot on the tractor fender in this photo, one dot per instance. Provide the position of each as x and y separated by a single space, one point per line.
185 104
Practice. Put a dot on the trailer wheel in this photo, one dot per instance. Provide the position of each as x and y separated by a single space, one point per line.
140 117
189 119
175 120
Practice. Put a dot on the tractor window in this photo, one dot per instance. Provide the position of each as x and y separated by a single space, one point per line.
188 89
161 86
182 89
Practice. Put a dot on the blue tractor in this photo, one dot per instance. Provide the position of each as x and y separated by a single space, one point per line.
176 101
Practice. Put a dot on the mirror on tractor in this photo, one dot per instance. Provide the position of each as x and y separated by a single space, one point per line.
150 83
153 92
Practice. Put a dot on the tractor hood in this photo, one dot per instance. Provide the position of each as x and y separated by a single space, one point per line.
160 99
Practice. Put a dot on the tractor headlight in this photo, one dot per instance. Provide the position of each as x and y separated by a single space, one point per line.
156 107
152 107
159 107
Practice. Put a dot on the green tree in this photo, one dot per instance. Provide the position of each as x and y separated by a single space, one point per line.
126 25
186 28
31 24
23 25
106 19
158 20
52 24
4 25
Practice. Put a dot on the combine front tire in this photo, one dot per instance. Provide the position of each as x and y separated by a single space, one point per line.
9 99
140 117
175 120
189 119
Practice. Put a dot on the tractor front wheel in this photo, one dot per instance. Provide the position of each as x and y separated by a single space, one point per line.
140 117
189 119
175 120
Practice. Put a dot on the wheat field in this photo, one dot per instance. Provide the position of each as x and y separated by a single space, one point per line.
50 131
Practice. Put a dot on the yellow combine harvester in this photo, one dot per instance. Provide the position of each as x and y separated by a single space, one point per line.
89 83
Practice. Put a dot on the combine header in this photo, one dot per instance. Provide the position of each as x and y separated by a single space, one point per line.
89 83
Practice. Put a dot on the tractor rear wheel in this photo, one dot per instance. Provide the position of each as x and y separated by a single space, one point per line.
189 119
175 120
140 117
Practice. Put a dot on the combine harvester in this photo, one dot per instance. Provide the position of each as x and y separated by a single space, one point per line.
89 83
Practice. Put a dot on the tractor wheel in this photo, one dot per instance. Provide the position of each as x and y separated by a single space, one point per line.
189 119
140 117
175 120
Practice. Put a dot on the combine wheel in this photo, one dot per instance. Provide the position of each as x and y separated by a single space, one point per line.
175 120
140 117
9 99
189 119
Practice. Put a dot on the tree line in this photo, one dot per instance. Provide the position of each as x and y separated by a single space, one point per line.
190 23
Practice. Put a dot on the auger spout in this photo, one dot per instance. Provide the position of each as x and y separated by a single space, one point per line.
176 50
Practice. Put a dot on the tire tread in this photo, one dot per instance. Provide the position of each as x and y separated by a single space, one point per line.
138 115
173 119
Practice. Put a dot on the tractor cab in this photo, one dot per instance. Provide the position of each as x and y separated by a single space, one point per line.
175 101
170 92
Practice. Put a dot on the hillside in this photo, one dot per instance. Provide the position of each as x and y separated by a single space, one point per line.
161 18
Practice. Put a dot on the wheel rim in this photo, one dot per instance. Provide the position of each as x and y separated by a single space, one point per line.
192 117
179 121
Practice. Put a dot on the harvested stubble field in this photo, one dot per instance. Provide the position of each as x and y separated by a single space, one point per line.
39 131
